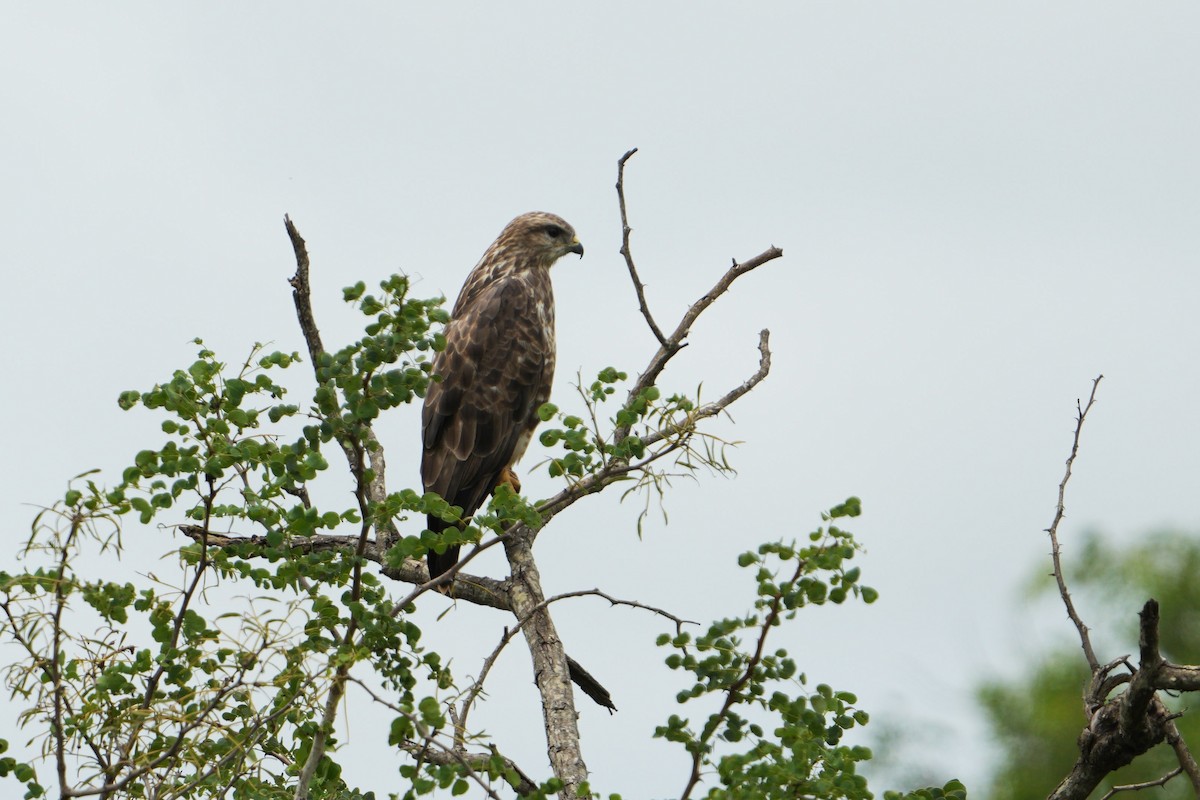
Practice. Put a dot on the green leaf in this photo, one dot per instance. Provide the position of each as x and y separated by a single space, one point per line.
851 508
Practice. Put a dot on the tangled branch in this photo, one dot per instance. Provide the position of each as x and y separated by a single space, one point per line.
1122 727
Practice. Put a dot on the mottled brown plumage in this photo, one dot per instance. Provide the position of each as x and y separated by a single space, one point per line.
496 369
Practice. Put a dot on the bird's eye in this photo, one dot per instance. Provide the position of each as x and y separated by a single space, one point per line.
555 232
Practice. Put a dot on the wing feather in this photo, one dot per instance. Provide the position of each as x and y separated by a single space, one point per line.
496 371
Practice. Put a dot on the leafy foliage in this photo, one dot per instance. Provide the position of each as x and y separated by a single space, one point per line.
171 698
162 688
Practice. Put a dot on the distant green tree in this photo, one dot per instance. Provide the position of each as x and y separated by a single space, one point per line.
1036 720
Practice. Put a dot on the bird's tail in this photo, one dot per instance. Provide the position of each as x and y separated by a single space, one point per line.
440 563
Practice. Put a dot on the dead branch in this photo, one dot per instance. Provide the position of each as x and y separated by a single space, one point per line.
1187 762
674 342
1122 728
1059 513
302 298
302 294
638 287
1133 787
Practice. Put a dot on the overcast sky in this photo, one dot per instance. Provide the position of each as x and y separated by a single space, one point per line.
982 207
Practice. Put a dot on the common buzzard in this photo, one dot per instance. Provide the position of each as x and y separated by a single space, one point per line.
496 369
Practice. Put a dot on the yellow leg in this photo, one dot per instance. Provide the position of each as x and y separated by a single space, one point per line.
509 478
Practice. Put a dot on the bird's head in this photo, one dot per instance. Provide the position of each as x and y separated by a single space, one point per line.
543 237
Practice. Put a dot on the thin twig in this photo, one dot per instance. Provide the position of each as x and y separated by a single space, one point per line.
1133 787
1187 762
674 342
1059 512
434 752
509 633
638 286
712 409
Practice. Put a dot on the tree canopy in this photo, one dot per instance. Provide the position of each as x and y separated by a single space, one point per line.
223 673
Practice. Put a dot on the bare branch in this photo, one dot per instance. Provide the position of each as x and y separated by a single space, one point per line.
1187 762
1133 787
616 601
1059 513
1141 686
302 293
712 409
625 251
1125 727
1179 678
675 342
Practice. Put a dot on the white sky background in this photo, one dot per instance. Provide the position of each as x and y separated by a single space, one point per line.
981 206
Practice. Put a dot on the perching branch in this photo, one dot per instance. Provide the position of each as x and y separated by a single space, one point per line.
522 593
550 670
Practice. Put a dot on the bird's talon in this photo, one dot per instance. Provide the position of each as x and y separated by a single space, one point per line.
509 478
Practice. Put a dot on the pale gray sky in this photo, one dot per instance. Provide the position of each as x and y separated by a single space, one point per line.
982 206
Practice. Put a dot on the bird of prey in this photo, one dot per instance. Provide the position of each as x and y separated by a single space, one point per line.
495 371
